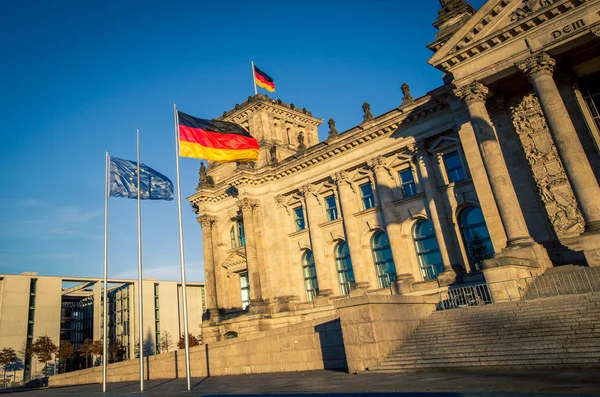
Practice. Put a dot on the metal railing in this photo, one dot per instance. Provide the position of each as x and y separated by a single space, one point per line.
576 282
526 288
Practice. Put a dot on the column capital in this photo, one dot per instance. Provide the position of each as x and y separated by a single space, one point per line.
377 163
308 190
207 221
417 148
536 65
341 178
471 93
246 204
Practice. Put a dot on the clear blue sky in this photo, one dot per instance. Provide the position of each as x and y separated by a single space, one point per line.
78 77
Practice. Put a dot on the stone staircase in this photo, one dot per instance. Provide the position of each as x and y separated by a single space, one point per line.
554 332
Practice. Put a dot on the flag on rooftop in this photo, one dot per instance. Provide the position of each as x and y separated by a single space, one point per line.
215 140
123 181
263 80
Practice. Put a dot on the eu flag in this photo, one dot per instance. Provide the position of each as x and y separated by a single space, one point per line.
123 181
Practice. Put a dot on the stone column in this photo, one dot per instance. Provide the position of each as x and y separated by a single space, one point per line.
473 95
384 191
248 206
539 69
212 304
312 209
347 204
443 231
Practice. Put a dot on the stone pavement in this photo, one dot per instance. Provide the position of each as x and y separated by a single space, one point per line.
572 382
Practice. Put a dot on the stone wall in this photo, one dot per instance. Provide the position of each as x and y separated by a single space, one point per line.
312 345
374 325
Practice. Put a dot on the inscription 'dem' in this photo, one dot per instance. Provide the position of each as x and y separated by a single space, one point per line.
572 27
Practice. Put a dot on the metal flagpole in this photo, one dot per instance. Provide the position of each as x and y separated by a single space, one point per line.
181 255
140 304
105 305
253 78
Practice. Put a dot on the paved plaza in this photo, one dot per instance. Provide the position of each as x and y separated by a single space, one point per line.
572 382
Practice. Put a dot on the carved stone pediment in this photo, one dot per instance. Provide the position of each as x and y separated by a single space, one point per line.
235 261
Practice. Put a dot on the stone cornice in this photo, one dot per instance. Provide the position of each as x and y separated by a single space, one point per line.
352 139
461 48
277 107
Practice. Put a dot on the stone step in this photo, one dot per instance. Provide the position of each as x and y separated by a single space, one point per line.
459 361
587 342
492 335
507 320
522 318
554 352
491 366
500 327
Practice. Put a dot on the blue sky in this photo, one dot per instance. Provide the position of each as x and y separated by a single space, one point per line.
78 77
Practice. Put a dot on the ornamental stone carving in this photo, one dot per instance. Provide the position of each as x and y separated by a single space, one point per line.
406 96
529 7
207 221
547 169
538 64
333 132
471 93
340 178
377 162
308 190
367 115
247 204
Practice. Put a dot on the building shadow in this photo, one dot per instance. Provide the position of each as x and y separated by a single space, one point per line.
332 346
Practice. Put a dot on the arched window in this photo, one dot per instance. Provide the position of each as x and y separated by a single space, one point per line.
344 268
382 255
475 235
310 275
428 251
236 234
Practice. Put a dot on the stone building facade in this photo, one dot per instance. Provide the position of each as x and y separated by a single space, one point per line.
492 176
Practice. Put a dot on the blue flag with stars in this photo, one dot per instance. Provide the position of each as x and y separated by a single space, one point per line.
123 181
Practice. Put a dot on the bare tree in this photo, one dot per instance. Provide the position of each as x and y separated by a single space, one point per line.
44 348
165 342
7 357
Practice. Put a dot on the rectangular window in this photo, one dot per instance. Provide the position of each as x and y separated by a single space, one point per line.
407 182
299 218
454 168
331 208
366 193
245 289
590 89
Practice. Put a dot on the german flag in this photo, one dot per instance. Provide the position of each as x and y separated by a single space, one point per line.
220 141
263 80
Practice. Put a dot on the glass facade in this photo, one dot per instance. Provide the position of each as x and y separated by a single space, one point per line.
310 276
454 168
366 195
407 183
344 268
331 208
156 319
475 235
428 251
384 263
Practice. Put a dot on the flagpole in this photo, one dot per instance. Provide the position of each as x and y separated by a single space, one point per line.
181 253
105 294
140 304
254 78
